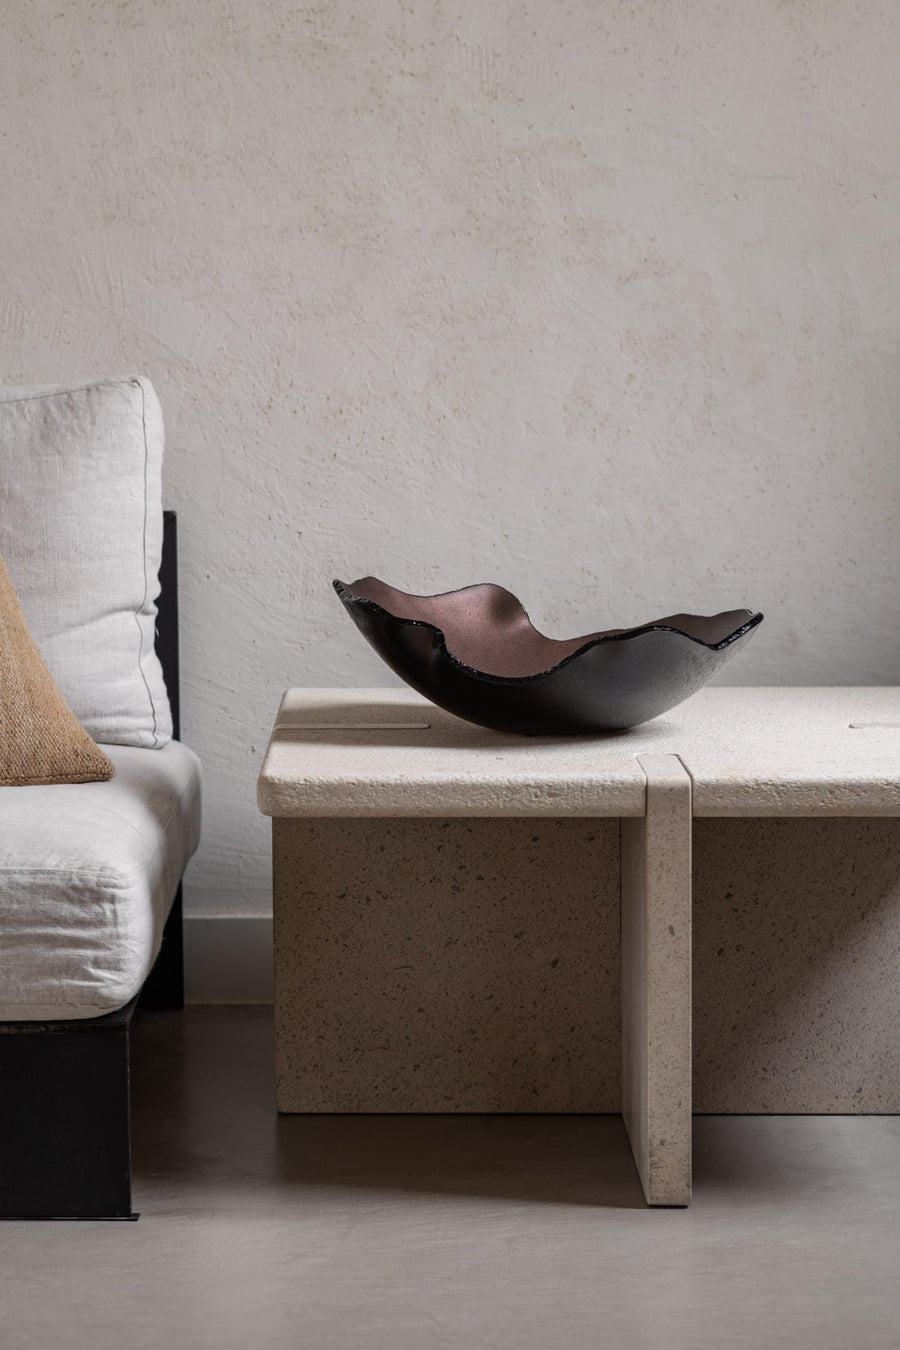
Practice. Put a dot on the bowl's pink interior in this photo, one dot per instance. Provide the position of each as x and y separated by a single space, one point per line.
486 627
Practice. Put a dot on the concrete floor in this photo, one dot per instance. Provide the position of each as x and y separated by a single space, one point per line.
413 1232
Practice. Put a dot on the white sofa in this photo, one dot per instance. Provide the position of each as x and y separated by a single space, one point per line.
89 872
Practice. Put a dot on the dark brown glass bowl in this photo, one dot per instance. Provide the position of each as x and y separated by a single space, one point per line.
475 652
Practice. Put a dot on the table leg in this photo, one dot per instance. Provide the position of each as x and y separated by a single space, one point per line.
656 982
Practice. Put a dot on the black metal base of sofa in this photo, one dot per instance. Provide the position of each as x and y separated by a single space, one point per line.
163 989
65 1124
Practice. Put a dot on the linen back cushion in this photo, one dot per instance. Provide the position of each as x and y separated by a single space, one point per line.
81 531
40 740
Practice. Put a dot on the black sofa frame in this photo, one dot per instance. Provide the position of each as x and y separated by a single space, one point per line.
65 1124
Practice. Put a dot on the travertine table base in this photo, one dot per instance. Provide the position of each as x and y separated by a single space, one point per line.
656 982
339 755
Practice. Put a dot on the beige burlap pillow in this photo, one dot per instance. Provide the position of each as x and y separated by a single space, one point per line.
41 741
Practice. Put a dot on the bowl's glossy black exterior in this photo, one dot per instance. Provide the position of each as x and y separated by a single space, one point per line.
611 683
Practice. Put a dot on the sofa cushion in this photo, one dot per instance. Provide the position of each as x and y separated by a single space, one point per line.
82 905
81 531
40 740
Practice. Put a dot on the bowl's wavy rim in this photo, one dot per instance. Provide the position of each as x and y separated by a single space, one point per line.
347 596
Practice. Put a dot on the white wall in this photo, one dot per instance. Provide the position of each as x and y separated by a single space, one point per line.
597 300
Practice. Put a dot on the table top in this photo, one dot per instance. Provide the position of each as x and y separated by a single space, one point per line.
823 751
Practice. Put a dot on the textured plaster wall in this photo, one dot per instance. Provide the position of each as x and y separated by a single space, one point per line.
597 300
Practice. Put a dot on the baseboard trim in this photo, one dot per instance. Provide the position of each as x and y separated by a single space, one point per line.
228 960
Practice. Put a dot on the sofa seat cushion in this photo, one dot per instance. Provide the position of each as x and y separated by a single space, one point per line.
81 531
88 873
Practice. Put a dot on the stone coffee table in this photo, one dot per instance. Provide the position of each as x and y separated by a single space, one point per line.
366 961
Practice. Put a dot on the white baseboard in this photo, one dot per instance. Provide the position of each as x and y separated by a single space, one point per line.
228 960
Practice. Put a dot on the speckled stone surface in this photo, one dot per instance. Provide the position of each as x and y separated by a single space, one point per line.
797 966
656 983
749 751
389 752
796 934
450 965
